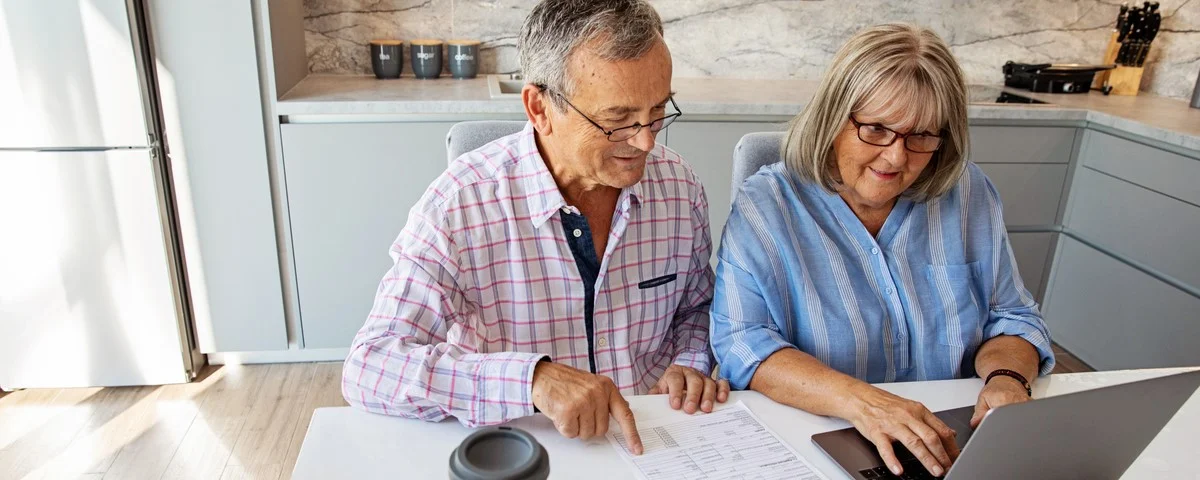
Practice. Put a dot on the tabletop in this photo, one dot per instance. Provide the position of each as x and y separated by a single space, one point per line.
348 443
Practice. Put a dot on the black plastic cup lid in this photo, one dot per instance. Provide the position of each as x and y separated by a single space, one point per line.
499 453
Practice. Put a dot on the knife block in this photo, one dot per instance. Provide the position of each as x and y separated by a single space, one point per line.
1110 57
1123 80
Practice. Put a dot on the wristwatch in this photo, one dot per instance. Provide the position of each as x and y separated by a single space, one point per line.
1011 374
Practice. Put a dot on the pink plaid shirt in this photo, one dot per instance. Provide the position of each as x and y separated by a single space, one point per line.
484 286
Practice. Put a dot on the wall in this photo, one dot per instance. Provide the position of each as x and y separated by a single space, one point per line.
778 39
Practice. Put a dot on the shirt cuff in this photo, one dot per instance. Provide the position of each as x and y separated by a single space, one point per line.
1035 336
740 359
701 361
504 387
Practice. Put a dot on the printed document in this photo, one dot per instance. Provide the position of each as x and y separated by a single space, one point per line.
728 443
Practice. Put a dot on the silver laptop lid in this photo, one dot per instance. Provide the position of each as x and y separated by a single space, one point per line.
1094 434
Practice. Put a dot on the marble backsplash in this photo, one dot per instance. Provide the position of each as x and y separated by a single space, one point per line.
778 38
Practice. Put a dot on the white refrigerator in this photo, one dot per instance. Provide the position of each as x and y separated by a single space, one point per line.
92 292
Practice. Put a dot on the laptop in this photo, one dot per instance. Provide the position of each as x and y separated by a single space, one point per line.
1094 434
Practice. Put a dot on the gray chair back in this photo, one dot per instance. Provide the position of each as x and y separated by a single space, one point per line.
754 151
467 136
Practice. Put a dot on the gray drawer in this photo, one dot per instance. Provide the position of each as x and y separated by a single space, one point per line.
1158 170
1144 225
1030 192
1113 316
1032 251
1022 144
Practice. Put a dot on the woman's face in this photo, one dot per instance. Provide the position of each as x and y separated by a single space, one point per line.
874 176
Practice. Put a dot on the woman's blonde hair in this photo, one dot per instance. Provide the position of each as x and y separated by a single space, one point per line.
896 70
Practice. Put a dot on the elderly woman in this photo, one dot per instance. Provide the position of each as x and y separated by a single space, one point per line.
876 253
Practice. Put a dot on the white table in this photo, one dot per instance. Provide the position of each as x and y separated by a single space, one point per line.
348 443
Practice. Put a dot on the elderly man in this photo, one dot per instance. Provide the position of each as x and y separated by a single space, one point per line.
559 268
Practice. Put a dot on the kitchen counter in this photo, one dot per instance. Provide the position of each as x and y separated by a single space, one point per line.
1158 118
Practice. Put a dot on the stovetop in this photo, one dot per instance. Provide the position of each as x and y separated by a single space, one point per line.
988 94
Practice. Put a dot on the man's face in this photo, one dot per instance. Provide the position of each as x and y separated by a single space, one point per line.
613 94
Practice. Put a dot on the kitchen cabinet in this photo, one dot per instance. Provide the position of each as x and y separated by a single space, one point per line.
1033 252
1168 173
215 140
1030 192
1141 202
350 187
708 147
1124 288
1143 225
1017 144
1113 316
1028 166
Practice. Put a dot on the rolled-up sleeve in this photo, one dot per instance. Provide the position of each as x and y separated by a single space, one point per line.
743 334
401 362
1012 309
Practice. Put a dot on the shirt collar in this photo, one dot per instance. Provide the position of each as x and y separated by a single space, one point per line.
854 227
542 193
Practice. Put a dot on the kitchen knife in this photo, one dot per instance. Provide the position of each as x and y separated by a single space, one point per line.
1138 23
1125 23
1136 26
1121 17
1124 40
1153 21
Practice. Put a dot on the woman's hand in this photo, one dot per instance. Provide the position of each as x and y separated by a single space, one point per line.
882 418
999 392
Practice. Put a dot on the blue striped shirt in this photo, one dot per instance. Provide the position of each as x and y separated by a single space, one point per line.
798 269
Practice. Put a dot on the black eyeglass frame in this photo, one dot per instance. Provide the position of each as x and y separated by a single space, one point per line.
636 127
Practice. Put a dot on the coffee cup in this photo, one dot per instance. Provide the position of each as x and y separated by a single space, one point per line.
499 453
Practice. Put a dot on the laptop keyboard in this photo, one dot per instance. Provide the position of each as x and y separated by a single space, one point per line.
913 470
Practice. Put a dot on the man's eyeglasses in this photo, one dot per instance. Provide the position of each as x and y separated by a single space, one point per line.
881 136
624 133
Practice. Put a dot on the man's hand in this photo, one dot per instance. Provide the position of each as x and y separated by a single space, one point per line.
999 392
579 403
690 390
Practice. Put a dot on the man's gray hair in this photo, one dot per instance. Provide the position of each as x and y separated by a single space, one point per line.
555 29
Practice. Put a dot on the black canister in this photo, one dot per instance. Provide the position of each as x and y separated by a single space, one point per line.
499 453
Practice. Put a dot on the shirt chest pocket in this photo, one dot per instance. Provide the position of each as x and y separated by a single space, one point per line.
657 282
653 291
655 287
957 306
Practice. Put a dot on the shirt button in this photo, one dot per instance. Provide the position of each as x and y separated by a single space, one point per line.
577 233
889 291
874 251
603 342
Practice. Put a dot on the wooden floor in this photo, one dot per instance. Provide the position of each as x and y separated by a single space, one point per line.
235 422
1067 363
